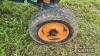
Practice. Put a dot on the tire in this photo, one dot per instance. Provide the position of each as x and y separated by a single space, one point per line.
60 15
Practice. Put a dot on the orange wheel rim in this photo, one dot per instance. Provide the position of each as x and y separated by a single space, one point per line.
53 32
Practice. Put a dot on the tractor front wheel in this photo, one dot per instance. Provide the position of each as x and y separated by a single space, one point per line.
53 25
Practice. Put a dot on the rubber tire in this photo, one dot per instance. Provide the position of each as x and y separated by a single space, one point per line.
53 14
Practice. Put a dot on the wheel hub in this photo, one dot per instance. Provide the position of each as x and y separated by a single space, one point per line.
53 32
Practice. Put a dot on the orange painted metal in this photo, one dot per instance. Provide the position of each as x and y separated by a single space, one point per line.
62 32
46 1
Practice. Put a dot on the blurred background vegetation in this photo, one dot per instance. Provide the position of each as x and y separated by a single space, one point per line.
15 39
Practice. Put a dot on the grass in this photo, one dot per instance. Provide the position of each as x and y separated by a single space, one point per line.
15 39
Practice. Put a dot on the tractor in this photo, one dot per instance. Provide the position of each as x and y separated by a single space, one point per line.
53 24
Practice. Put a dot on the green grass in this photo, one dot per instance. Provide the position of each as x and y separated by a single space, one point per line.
15 39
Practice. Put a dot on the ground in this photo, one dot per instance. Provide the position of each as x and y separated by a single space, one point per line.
16 41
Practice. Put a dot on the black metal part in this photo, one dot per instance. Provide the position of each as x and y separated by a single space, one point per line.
54 1
53 32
